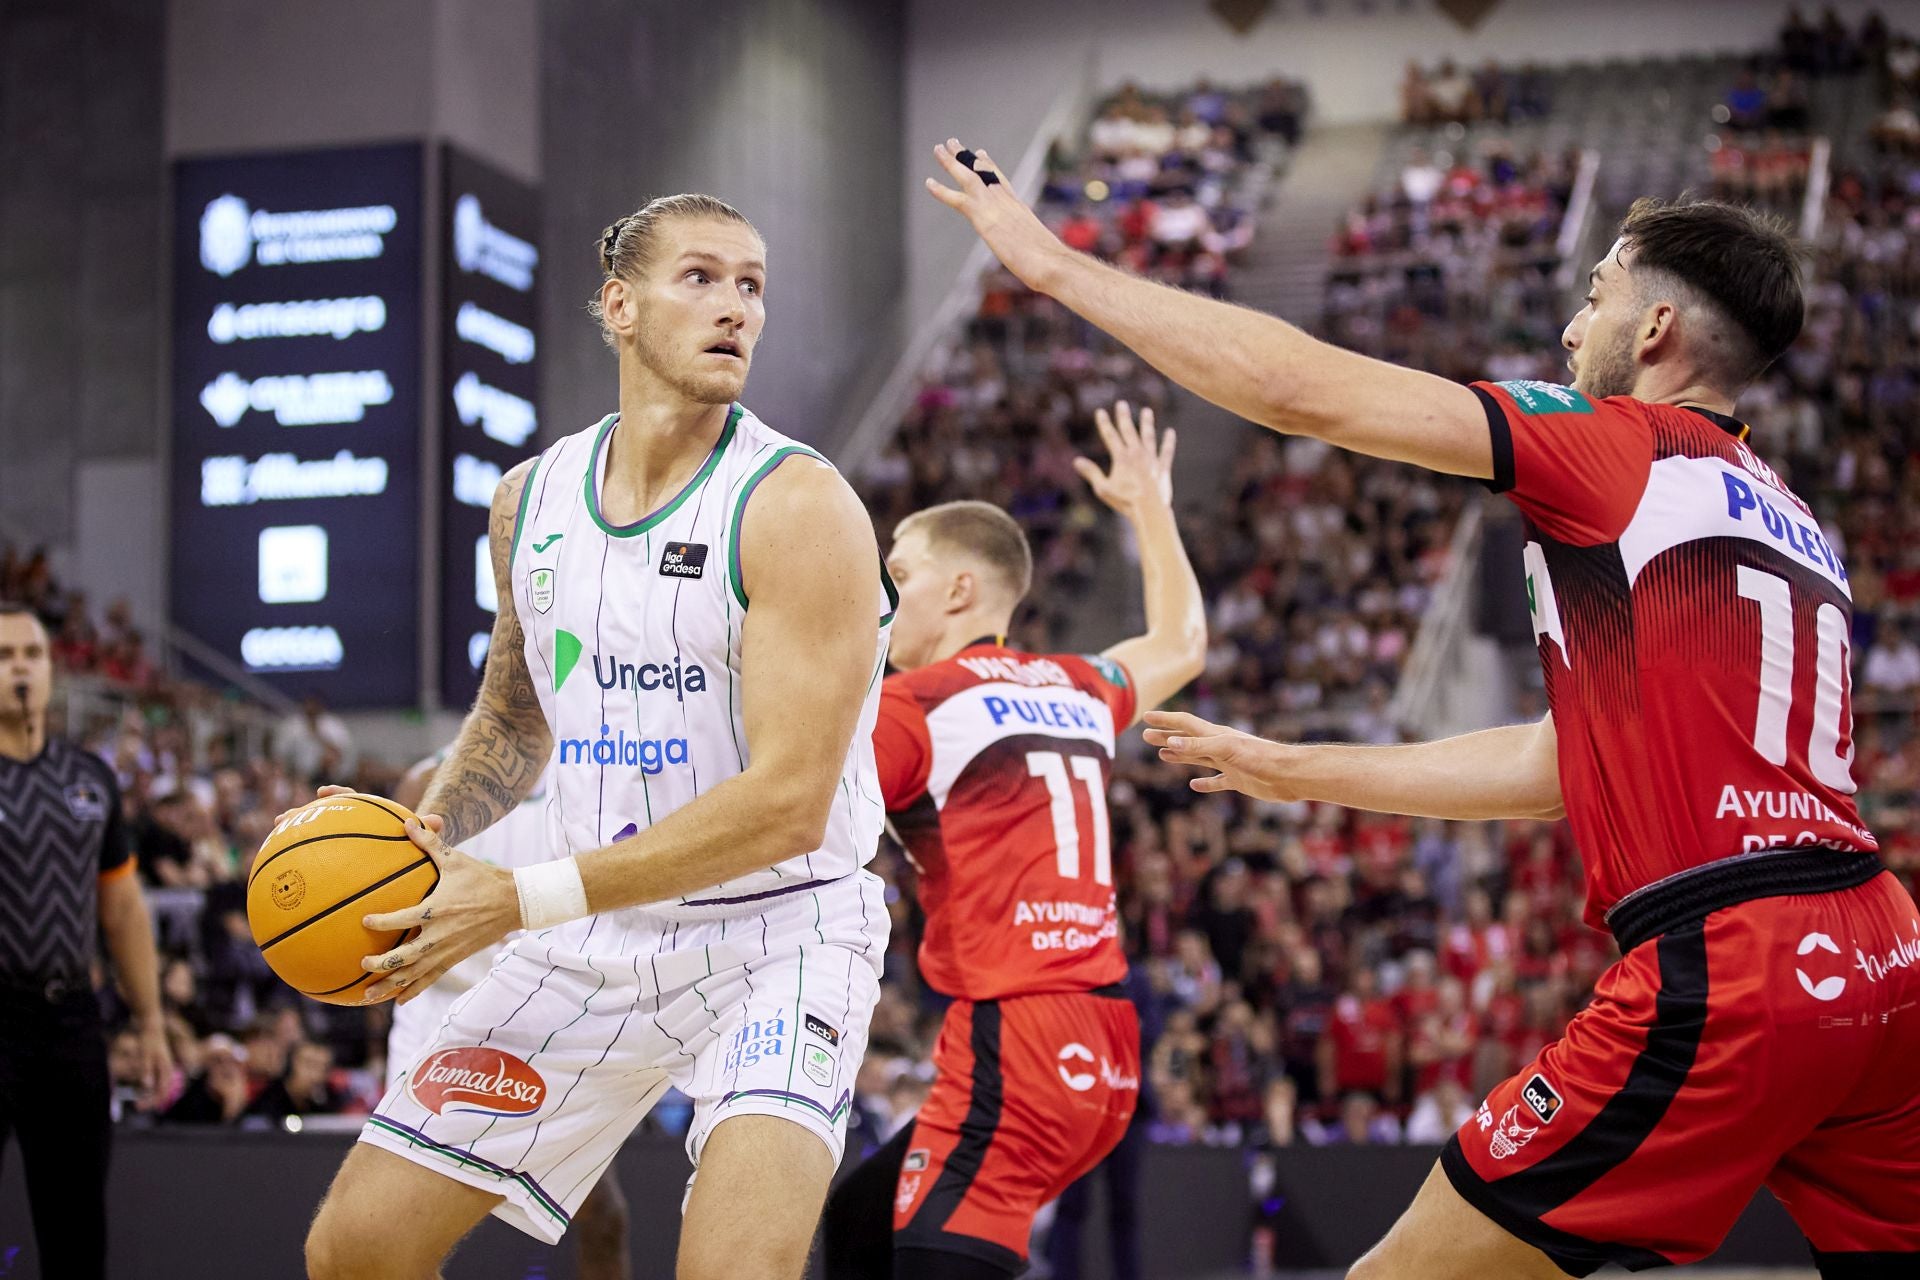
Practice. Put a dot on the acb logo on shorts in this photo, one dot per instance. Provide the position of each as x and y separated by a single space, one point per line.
1541 1097
475 1078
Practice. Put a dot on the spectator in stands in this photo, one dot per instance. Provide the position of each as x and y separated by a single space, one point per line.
1363 1048
1799 42
1226 921
1897 129
1490 93
1838 53
1901 67
1746 102
1279 1115
1180 1119
1437 1114
1450 95
1416 107
1892 667
303 1089
218 1093
1362 1123
1787 104
1421 179
313 743
1178 222
1441 1041
1281 108
1478 940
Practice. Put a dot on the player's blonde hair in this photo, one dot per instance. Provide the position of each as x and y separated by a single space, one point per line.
627 243
979 529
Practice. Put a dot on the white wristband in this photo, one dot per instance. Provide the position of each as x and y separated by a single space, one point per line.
550 893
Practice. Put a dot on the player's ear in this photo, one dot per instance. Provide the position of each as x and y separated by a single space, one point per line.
1657 327
962 591
619 305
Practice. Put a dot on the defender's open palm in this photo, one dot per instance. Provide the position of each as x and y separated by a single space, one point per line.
1015 234
1252 766
1139 470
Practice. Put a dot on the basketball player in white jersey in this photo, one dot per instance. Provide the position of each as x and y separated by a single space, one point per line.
599 1227
692 628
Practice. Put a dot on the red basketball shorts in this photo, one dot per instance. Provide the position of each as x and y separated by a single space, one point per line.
1031 1092
1773 1042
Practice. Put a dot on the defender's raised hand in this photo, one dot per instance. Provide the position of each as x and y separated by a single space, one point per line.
1139 472
1016 236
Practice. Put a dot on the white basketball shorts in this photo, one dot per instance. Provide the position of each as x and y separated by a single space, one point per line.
417 1022
537 1075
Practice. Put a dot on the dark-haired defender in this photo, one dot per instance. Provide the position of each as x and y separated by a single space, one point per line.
1694 626
693 622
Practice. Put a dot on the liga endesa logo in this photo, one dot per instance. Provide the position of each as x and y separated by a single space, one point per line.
473 1078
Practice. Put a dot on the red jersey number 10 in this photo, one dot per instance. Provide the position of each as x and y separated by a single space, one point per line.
1775 597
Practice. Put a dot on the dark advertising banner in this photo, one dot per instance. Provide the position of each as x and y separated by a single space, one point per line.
489 380
296 418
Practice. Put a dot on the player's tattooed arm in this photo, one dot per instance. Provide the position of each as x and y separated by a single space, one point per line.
505 741
1255 365
1509 772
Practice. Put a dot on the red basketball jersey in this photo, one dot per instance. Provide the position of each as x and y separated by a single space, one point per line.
994 765
1694 629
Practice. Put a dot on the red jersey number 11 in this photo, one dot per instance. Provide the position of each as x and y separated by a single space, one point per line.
1052 766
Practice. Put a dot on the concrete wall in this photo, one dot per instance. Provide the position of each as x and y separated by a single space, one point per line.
243 76
80 229
788 109
250 77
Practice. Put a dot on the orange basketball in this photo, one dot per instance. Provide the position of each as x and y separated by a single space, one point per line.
325 866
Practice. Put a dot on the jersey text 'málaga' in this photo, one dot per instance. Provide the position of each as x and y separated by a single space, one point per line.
994 766
1693 626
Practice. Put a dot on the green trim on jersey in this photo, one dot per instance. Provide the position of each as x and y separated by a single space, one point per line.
520 518
893 595
740 509
692 486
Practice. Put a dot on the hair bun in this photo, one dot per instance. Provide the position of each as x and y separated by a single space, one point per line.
610 241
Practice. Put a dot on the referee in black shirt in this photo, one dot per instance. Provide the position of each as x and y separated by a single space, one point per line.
65 875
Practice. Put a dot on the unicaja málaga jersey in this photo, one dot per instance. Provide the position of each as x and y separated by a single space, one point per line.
633 642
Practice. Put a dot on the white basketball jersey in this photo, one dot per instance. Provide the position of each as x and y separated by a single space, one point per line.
633 641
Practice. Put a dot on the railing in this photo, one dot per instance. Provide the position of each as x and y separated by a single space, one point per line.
82 703
1435 654
1573 224
184 643
1813 207
889 405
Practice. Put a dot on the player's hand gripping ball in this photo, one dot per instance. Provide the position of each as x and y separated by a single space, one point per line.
322 869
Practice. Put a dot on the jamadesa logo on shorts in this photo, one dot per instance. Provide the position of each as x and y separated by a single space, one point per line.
474 1078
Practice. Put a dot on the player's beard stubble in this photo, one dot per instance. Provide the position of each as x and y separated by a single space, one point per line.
657 350
1607 368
